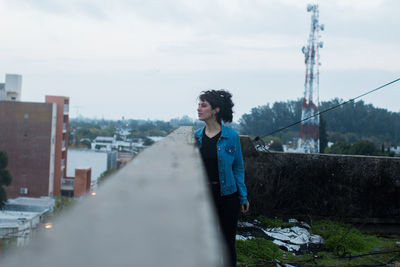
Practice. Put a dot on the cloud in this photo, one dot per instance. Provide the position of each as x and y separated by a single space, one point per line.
178 35
71 8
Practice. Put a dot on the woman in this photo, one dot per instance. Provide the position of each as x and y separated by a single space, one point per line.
222 156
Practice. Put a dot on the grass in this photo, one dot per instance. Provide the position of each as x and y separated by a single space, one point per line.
326 259
257 250
62 203
342 243
344 239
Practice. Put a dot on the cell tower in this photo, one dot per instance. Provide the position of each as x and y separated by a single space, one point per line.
309 129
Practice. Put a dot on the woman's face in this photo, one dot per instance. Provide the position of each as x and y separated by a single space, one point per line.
205 111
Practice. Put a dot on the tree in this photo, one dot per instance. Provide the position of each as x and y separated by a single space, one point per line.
338 148
323 136
348 123
265 119
276 145
183 121
86 143
5 177
363 147
148 142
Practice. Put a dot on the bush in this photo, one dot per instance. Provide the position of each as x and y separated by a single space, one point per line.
344 239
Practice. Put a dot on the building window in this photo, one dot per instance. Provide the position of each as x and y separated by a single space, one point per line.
26 116
25 135
24 190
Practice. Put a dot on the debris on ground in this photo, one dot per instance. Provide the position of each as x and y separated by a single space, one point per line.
296 239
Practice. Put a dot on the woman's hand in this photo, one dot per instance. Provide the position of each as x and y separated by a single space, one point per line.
245 207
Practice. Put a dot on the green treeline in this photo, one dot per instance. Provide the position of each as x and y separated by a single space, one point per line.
91 128
349 123
354 128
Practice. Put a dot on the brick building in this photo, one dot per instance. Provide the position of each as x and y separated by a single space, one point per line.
28 136
61 137
82 181
35 138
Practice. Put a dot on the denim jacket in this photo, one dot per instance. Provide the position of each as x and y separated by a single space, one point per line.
230 162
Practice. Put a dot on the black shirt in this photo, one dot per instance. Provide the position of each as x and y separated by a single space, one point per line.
209 154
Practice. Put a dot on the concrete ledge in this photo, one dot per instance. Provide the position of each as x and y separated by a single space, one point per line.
154 212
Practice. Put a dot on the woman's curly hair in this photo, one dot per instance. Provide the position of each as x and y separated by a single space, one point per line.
221 99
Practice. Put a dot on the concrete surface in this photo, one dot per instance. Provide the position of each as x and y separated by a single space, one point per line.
154 212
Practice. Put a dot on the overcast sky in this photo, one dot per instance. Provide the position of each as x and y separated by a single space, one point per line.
149 59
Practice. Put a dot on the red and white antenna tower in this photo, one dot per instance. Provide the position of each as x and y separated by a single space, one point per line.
309 129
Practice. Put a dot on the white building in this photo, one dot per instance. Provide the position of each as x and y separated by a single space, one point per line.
3 94
105 143
11 89
30 204
395 149
19 225
21 216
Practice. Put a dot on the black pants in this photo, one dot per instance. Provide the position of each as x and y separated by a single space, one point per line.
227 208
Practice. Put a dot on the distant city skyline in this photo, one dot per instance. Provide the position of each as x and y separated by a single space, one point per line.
150 60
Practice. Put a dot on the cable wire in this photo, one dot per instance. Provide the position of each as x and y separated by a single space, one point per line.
331 108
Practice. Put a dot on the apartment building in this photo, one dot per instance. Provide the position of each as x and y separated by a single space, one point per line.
35 137
61 137
28 136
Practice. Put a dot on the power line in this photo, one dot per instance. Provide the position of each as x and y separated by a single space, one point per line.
331 108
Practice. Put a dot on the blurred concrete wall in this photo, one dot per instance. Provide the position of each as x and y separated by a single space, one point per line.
154 212
323 185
